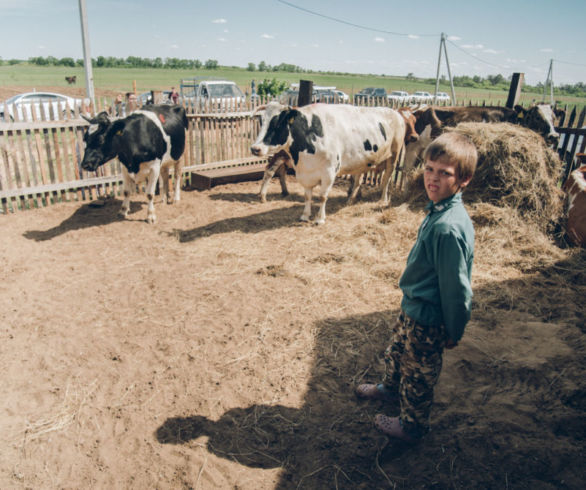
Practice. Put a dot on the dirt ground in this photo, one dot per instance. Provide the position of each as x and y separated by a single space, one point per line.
219 348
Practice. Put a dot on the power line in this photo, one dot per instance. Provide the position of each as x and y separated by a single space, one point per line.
366 28
569 63
474 56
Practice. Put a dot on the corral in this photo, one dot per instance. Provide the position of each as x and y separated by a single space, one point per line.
219 348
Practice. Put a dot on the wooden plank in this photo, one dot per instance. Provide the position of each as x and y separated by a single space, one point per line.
206 179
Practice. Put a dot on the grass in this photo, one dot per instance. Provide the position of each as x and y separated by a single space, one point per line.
110 81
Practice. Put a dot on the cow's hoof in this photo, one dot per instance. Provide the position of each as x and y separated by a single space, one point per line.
151 219
304 218
284 193
319 222
263 199
123 213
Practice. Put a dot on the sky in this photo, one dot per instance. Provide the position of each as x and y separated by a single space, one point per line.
384 37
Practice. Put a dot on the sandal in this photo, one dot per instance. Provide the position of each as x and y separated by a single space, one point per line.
379 391
391 426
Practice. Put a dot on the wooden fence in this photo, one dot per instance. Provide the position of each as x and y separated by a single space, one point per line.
40 159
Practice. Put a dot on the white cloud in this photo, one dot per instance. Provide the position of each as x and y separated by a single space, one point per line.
413 36
472 46
454 38
267 36
546 50
174 46
42 47
490 51
222 39
379 39
219 21
226 31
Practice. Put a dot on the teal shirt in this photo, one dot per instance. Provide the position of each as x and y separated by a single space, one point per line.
436 282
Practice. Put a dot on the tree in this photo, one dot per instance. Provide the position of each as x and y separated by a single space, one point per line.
251 67
262 66
271 87
211 64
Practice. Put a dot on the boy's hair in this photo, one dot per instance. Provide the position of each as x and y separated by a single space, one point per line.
455 149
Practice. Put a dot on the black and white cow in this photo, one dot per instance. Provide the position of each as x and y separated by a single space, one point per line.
325 140
147 143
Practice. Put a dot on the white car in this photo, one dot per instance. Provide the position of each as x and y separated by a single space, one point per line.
54 106
442 97
398 96
421 98
343 96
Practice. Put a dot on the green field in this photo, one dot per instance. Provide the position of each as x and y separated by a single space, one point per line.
109 81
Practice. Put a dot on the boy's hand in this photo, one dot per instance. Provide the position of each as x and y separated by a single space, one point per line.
450 344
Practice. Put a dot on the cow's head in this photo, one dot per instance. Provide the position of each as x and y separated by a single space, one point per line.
426 116
274 132
411 134
542 119
288 129
98 141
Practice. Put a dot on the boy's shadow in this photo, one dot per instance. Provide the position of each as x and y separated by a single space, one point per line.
330 438
85 216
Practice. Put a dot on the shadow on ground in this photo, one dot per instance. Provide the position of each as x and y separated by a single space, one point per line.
497 423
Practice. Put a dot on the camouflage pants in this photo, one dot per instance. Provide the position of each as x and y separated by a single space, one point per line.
413 364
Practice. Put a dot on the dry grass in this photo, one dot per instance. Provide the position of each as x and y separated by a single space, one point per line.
515 170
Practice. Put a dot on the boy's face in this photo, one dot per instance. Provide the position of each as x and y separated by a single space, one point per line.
441 180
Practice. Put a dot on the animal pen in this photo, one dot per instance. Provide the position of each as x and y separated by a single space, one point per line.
41 158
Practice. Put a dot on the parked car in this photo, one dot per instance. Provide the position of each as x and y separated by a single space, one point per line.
216 93
329 95
54 106
421 98
442 97
368 93
398 96
343 96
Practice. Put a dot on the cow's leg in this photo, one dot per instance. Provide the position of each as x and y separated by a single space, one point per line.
164 185
327 182
282 172
354 188
152 179
128 186
178 176
268 175
386 181
389 167
307 209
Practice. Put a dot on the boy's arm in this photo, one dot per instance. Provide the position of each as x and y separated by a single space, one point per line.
454 284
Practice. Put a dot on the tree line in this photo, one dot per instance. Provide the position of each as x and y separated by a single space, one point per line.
497 82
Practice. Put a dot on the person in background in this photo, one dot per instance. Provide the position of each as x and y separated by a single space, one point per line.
131 102
174 96
118 108
437 292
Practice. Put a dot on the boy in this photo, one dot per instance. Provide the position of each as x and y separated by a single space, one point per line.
436 289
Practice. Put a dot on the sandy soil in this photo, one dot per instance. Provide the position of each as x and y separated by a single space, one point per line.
219 348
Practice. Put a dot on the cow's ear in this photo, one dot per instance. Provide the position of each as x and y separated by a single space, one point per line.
117 128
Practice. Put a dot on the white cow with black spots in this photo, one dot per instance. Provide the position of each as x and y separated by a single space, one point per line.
326 140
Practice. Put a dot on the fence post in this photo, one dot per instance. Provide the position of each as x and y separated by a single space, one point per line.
515 89
305 92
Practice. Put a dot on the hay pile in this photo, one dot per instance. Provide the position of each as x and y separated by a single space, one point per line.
515 169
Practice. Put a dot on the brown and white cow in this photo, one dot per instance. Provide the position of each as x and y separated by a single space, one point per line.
324 140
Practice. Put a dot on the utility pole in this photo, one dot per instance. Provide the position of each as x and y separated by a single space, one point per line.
549 80
439 62
87 58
